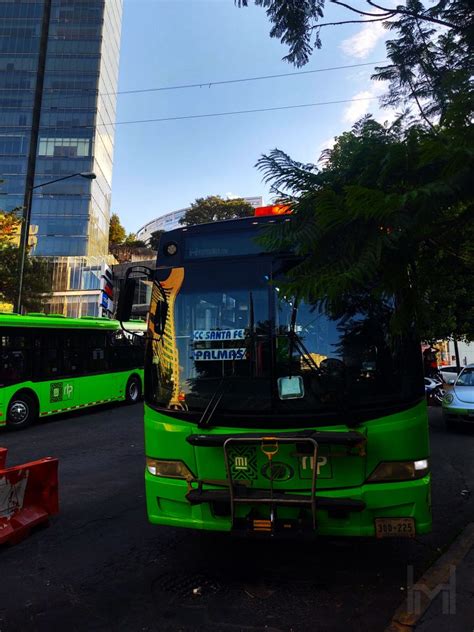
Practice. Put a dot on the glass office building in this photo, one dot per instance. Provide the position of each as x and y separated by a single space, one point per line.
58 79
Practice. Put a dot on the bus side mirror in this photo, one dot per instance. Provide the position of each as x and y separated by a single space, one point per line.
125 302
127 293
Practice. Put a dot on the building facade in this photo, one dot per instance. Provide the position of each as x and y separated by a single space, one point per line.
170 221
79 286
58 84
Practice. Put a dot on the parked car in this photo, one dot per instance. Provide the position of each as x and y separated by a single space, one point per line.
458 403
448 373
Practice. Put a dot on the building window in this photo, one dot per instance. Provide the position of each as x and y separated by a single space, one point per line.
64 147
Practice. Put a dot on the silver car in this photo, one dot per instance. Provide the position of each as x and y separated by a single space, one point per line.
448 373
458 403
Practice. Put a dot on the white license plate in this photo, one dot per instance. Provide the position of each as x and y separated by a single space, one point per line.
395 528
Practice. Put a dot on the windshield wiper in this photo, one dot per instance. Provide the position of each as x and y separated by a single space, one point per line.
213 403
295 341
223 386
252 334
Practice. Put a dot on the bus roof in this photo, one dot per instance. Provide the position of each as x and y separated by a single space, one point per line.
231 225
217 240
57 321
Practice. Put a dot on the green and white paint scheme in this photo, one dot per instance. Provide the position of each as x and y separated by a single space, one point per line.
268 415
51 365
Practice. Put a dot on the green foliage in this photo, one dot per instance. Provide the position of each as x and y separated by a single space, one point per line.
391 211
154 242
37 280
432 66
214 208
132 241
117 232
298 25
293 24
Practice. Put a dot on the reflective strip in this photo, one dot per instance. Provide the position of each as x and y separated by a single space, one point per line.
62 410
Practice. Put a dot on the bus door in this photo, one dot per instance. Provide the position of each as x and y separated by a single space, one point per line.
125 353
57 367
99 384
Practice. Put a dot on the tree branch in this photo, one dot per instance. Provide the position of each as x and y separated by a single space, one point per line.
387 13
422 112
317 26
377 6
419 16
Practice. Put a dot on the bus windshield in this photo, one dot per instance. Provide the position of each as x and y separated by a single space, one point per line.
232 335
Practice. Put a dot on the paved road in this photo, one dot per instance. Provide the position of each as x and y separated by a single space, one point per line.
101 566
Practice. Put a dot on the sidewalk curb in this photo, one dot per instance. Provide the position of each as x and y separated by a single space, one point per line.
404 620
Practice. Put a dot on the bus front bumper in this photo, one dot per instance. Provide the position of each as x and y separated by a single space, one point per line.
353 515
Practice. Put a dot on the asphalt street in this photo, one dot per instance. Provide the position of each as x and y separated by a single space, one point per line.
101 566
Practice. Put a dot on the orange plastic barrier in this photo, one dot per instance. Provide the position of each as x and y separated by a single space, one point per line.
28 496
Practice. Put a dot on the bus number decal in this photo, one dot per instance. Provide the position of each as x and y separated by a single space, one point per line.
61 391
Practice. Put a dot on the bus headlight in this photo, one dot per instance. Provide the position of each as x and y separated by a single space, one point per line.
448 398
399 471
168 469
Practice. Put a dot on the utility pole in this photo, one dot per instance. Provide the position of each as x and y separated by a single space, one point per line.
31 167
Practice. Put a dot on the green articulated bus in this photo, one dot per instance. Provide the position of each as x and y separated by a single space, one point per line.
266 415
53 364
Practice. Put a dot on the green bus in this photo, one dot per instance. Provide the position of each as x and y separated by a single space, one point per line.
51 364
266 415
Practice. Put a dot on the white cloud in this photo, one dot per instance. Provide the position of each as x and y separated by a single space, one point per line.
363 43
326 144
359 106
387 116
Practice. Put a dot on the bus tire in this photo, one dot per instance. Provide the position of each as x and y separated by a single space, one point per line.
22 411
133 390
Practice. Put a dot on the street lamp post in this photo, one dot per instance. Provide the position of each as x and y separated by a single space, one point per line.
25 229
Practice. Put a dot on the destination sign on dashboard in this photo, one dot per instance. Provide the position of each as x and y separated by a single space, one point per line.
200 355
202 335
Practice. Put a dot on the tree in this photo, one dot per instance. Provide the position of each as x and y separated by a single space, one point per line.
431 58
132 241
37 281
298 25
431 67
154 242
391 212
131 248
117 232
214 208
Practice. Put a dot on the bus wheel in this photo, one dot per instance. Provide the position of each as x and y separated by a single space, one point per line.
133 390
22 411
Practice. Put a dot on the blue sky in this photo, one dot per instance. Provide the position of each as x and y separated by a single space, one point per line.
160 167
